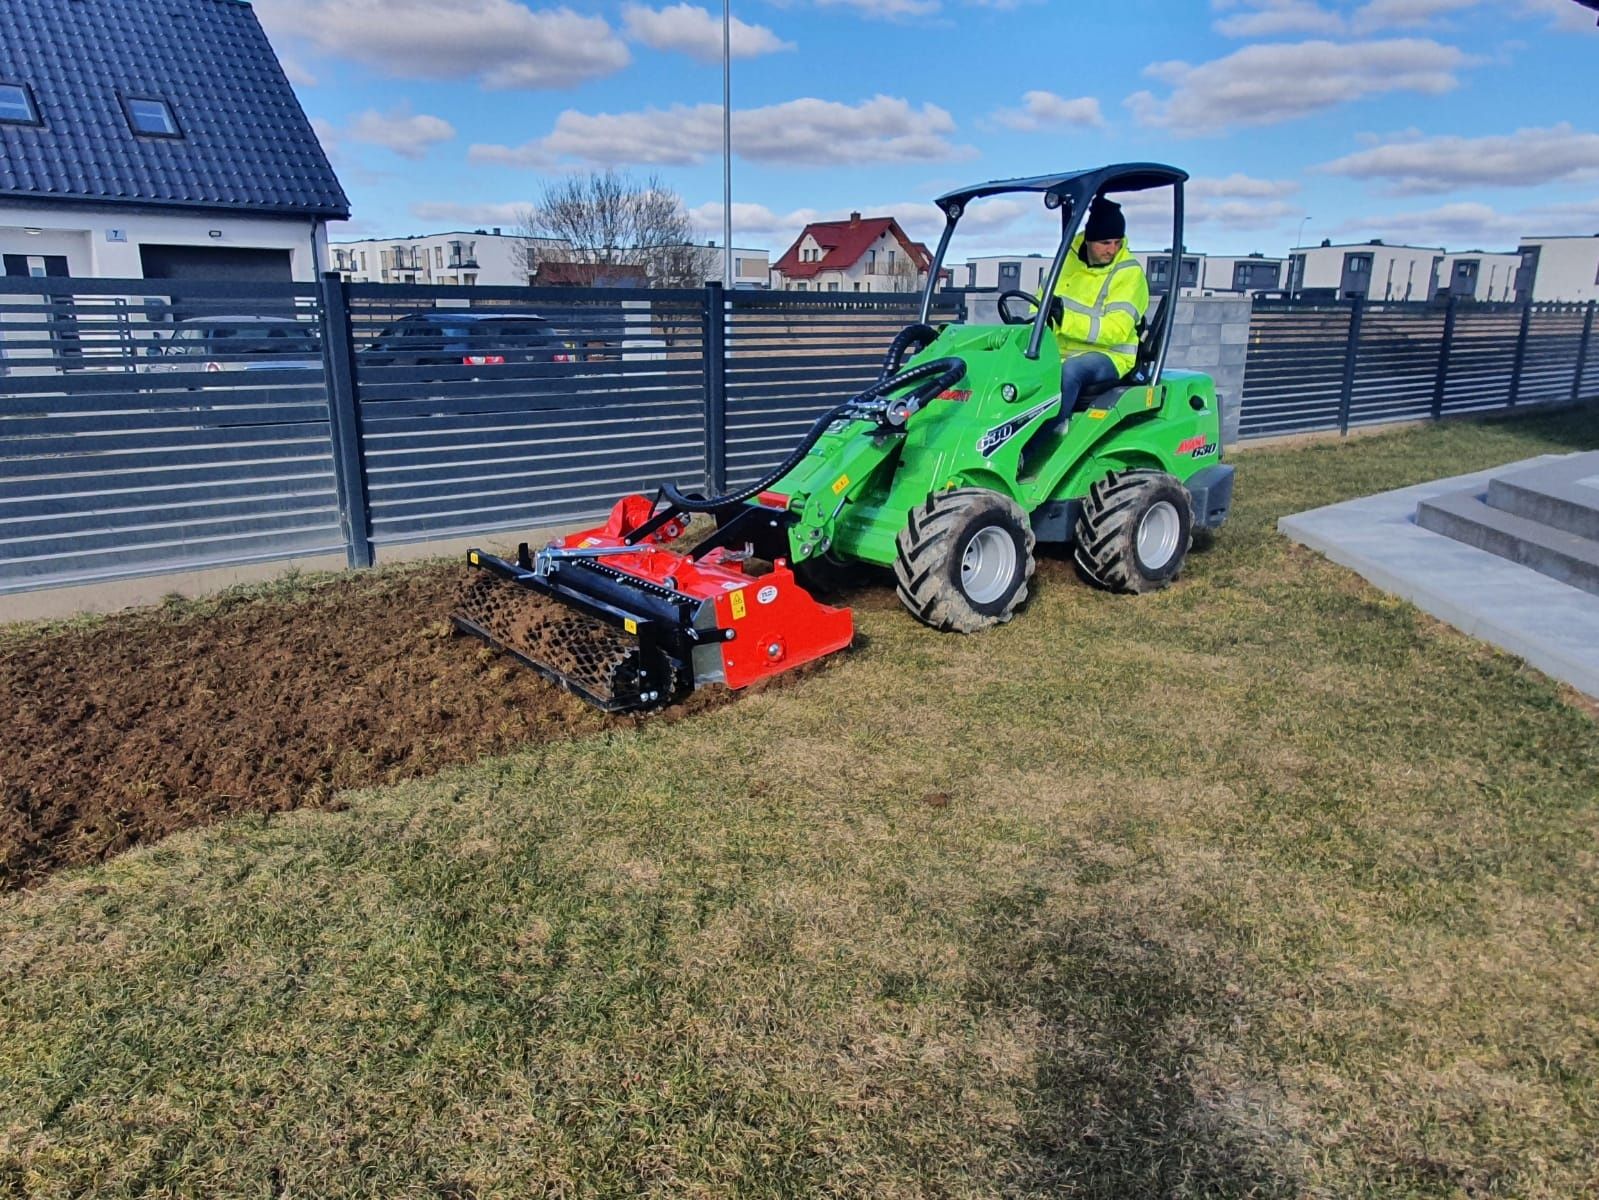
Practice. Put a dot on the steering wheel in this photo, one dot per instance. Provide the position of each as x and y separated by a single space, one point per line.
1005 314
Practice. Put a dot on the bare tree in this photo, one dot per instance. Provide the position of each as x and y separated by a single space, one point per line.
608 221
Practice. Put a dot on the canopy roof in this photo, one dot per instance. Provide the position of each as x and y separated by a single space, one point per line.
1074 185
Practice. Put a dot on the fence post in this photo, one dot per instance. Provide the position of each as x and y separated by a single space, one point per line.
1441 383
1582 353
1521 354
1347 394
338 365
715 389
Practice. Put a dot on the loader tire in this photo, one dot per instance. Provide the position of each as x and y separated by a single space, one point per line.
1134 531
964 560
824 575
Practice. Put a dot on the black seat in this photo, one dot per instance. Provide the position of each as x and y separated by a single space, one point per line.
1150 331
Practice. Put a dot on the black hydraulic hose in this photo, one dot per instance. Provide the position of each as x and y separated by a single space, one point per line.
947 370
919 335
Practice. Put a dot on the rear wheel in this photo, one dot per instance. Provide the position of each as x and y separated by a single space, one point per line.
1135 531
964 560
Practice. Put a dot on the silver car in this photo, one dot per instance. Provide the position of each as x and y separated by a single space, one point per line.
236 343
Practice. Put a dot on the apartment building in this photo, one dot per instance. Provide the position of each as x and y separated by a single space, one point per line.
479 257
1558 269
1366 270
1476 275
1239 274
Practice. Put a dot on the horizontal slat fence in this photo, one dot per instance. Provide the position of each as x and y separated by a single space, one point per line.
464 444
1314 367
791 356
126 450
132 445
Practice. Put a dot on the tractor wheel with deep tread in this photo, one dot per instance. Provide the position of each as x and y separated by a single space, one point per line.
1134 531
964 559
824 575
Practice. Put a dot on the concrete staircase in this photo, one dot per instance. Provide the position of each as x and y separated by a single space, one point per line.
1544 516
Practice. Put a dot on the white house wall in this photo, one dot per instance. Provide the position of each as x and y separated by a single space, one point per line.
1568 269
103 243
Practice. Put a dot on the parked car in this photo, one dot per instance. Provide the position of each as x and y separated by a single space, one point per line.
459 337
236 343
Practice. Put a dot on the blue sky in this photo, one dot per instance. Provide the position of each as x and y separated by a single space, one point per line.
1462 123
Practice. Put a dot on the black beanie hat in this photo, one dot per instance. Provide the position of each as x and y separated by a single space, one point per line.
1105 221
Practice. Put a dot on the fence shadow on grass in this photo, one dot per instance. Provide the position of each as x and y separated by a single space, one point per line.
1117 1110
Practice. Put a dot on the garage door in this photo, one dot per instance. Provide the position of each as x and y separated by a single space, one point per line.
215 262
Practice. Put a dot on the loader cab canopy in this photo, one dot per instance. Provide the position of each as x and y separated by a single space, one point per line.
1078 186
1071 192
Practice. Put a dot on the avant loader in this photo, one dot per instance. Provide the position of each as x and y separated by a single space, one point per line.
923 472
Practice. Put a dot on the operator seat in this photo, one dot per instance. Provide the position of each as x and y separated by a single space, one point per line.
1150 332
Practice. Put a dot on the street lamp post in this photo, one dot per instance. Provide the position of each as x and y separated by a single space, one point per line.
1299 240
727 145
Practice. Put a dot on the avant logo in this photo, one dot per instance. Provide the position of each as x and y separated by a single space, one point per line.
1000 434
1196 447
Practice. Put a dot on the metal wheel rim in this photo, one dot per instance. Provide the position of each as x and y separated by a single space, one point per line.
1158 531
988 565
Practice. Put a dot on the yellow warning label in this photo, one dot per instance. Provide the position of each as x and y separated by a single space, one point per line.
1149 397
840 484
473 558
737 601
629 624
1098 414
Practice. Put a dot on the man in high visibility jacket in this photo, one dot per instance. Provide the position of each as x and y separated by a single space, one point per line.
1099 300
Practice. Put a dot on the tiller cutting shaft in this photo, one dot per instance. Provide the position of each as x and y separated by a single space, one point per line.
616 618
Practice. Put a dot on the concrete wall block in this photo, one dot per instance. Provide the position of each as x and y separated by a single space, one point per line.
1235 333
1202 356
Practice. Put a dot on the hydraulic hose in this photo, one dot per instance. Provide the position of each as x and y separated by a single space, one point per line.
940 374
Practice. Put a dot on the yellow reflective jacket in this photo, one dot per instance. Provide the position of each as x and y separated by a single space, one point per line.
1103 306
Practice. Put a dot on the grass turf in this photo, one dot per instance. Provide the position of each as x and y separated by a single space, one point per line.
1266 885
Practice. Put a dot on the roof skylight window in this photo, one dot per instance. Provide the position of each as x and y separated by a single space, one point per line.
16 105
152 118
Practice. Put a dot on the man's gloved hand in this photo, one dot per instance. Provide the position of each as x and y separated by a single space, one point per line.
1057 312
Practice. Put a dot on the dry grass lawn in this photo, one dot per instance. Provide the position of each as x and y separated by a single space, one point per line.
1266 885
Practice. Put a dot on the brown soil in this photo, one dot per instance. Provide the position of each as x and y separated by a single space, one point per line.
147 723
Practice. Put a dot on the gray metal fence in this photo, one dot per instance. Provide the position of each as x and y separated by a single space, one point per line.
115 462
149 427
1318 367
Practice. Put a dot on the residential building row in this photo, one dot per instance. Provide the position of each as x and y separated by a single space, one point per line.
493 258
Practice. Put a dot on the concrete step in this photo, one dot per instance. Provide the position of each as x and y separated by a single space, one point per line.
1557 553
1564 495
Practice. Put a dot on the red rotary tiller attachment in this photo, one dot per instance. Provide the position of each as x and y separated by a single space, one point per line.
615 617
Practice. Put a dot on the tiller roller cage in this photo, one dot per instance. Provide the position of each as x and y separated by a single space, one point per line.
614 616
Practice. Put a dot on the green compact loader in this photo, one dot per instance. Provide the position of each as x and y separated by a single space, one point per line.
923 472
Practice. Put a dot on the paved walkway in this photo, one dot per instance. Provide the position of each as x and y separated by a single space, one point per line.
1552 625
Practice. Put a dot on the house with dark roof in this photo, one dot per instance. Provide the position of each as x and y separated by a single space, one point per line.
862 254
155 139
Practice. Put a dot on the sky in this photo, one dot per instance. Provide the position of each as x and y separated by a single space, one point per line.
1466 124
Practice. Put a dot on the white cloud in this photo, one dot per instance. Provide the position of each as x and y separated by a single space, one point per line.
806 132
1404 14
1273 18
1563 14
410 135
1526 158
1268 84
1237 202
888 10
1044 110
447 212
695 32
1475 225
328 134
500 42
297 72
